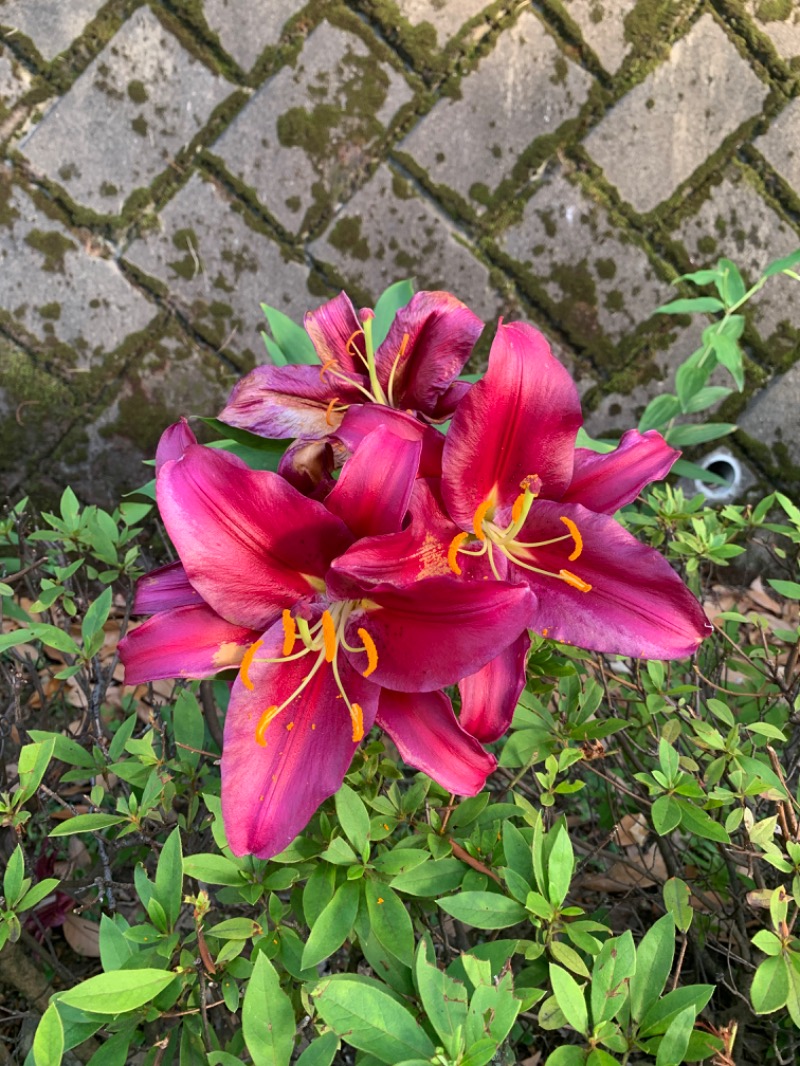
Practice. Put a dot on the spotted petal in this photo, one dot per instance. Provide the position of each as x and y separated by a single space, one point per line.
429 738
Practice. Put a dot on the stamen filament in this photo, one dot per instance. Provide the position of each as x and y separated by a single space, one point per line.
305 632
274 710
562 575
401 352
576 536
453 550
289 630
247 662
329 636
533 543
371 650
491 562
480 514
377 392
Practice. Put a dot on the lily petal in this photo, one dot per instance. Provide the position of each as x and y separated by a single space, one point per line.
374 488
637 604
360 420
429 738
449 400
489 697
308 466
335 330
425 349
173 443
186 642
163 589
433 633
251 544
269 793
288 401
519 421
607 482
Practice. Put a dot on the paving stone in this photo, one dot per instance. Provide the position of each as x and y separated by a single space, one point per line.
219 269
522 90
664 128
52 25
127 116
58 291
309 130
602 25
736 222
771 419
15 80
780 145
445 19
599 284
784 31
387 232
246 29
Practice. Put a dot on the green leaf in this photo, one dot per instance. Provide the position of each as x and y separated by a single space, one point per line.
365 1014
568 957
433 878
389 303
615 962
334 925
320 1052
659 412
37 893
31 767
353 817
15 637
484 910
789 589
731 286
666 815
48 1042
13 877
234 929
560 865
96 615
115 948
65 748
390 921
444 1002
188 726
87 823
493 1009
696 820
517 852
277 358
292 339
268 1024
684 436
569 1055
53 637
169 878
661 1013
729 354
675 1041
694 305
777 266
686 469
706 397
213 869
569 996
653 963
116 992
770 988
677 896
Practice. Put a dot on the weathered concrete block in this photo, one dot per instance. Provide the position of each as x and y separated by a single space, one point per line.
127 116
245 29
780 145
667 126
309 130
771 422
780 22
219 269
58 291
387 232
52 25
602 26
445 19
599 285
522 90
14 81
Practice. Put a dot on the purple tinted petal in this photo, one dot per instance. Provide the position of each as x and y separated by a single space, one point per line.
429 738
185 642
426 347
519 421
163 589
637 604
607 482
489 697
251 544
361 420
449 400
308 466
174 442
269 792
336 332
374 488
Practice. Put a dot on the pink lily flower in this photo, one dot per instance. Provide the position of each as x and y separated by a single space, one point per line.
322 651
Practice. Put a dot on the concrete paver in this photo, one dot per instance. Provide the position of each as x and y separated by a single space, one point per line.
308 131
219 269
780 145
135 107
388 232
657 136
771 422
445 19
52 25
783 30
602 26
246 29
14 81
522 90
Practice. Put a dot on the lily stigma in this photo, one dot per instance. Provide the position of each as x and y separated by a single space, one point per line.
504 539
323 638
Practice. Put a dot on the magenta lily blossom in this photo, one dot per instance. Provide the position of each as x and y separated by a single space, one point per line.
266 584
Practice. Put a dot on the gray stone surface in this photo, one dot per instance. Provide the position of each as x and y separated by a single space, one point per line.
657 135
52 25
14 81
245 27
602 25
133 109
783 32
58 290
306 134
780 145
220 269
736 222
525 88
388 232
600 284
445 18
771 418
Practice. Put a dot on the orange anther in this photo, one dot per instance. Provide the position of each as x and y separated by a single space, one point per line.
452 552
326 366
329 410
516 508
357 716
576 582
263 723
371 650
290 631
480 514
247 662
353 350
329 636
574 532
